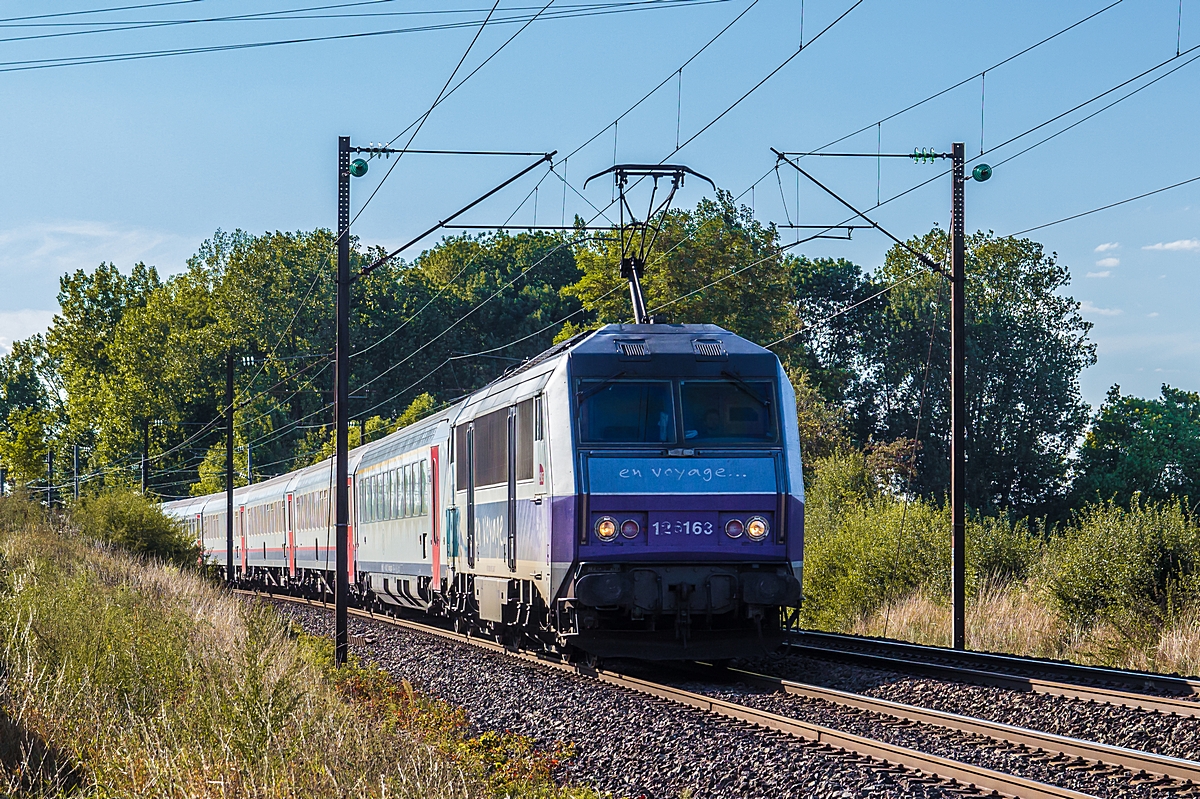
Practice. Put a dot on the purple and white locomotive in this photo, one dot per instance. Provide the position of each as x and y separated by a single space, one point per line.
633 492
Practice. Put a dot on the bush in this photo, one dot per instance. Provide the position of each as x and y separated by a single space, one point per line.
1001 552
135 523
864 548
18 510
1134 567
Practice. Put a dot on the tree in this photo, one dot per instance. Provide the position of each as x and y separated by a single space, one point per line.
1026 346
1141 446
31 411
830 298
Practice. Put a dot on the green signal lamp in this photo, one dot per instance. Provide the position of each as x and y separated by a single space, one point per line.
981 172
358 168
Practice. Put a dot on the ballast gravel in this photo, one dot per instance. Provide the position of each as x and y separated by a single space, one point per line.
976 750
1160 733
627 744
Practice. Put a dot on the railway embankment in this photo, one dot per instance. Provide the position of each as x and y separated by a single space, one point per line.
126 676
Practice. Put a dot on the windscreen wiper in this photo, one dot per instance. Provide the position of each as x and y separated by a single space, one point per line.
746 388
583 396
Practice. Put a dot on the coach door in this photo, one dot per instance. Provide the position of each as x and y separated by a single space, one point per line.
435 538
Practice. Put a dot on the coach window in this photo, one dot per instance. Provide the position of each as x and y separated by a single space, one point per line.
376 498
424 487
626 412
460 458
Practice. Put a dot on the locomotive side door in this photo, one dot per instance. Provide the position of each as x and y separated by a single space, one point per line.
470 456
511 541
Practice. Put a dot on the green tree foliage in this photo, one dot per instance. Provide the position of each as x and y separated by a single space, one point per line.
135 523
30 410
697 273
135 355
831 301
1142 446
1026 346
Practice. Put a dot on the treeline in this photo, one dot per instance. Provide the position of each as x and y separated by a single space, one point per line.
136 361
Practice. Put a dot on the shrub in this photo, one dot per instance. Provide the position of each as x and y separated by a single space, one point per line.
18 510
135 523
1134 567
865 548
1000 551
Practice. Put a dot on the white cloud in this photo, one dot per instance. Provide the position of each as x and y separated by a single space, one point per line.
16 325
34 256
1182 244
1106 262
1112 245
1152 314
1087 307
1105 273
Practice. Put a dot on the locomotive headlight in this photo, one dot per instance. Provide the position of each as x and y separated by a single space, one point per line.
606 528
630 528
757 528
734 528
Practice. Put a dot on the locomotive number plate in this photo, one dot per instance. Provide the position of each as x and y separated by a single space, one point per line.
702 524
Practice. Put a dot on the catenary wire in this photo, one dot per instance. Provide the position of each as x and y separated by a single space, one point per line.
967 80
105 58
1106 207
600 212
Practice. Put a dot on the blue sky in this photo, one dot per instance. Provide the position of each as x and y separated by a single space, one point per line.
144 159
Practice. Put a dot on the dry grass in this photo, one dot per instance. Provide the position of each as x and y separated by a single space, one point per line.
120 678
1015 620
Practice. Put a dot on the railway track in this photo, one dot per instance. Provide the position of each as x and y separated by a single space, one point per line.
1171 774
1143 766
1133 689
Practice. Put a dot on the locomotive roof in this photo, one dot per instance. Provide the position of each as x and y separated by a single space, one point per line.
642 349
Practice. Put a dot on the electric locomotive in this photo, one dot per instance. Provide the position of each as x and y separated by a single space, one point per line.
635 491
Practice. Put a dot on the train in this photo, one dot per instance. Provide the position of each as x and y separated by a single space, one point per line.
633 492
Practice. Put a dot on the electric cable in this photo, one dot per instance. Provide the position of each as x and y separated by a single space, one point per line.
1105 207
967 80
106 58
421 122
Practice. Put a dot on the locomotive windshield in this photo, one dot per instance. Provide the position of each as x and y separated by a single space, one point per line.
727 411
626 412
715 412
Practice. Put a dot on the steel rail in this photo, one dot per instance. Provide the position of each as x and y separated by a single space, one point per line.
1135 761
958 774
1132 679
880 658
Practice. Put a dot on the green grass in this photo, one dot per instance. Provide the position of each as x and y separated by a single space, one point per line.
121 677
